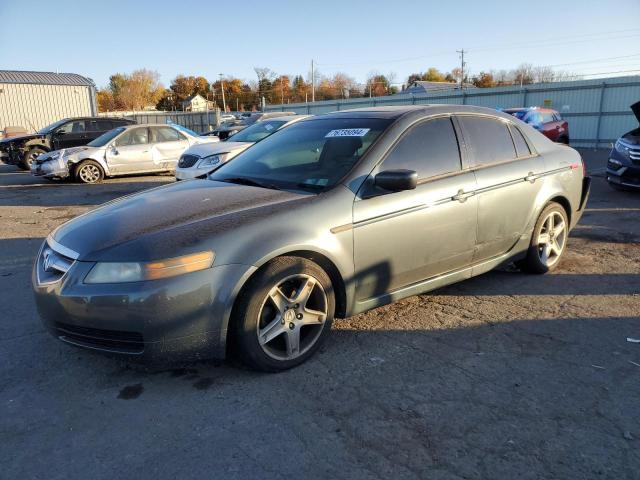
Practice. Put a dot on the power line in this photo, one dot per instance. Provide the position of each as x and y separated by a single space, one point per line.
496 47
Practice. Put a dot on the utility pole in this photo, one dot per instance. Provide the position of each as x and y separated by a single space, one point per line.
313 82
281 91
224 104
462 64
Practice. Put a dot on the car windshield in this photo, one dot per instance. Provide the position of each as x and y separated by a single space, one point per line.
184 129
106 137
53 126
257 131
309 155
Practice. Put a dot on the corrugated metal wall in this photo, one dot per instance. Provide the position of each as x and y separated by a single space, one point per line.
597 110
35 106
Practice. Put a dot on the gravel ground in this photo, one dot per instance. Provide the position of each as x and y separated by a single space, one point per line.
500 377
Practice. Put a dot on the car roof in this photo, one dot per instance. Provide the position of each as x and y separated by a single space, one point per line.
395 112
527 109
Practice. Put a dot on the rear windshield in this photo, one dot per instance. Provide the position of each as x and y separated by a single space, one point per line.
309 155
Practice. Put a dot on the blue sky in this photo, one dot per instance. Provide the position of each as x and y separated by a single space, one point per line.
98 38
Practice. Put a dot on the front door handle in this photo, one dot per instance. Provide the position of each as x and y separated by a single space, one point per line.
462 196
531 177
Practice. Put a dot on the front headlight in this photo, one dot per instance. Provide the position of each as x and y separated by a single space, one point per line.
622 148
211 160
119 272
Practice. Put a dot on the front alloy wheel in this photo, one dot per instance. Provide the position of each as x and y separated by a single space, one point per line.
89 172
292 317
283 314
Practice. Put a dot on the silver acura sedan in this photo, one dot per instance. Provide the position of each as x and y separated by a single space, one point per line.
330 217
133 149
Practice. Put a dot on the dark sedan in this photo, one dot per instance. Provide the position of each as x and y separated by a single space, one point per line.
330 217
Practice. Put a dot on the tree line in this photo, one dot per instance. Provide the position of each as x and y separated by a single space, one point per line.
141 89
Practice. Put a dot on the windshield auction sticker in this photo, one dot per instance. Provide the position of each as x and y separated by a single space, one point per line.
347 132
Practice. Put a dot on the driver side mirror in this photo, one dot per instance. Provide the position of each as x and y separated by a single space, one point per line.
114 150
396 180
59 133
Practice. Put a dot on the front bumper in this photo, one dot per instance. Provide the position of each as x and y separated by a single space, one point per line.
193 172
156 322
628 176
50 169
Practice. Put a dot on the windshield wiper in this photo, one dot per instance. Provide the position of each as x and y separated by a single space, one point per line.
249 182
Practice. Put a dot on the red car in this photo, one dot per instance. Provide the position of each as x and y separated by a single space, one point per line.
547 121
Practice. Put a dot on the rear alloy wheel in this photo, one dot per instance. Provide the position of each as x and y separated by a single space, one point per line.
30 157
284 314
89 172
548 241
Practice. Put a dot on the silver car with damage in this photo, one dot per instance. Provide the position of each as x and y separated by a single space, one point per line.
134 149
330 217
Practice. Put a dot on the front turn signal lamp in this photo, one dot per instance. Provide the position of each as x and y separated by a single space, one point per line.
120 272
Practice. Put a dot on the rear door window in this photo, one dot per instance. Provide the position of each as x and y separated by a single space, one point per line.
489 140
165 134
430 148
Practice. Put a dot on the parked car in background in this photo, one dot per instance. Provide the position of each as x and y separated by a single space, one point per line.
329 217
623 167
226 129
547 121
10 132
132 149
200 160
65 133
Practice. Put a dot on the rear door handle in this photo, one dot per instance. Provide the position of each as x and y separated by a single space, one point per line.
531 177
462 196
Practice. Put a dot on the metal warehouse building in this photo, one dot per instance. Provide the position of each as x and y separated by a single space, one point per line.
35 99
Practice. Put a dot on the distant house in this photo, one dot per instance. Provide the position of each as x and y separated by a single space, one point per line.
422 87
197 103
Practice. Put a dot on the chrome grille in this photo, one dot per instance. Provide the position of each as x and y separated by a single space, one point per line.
187 161
634 154
52 265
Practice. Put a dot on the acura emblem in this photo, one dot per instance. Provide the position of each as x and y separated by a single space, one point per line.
46 264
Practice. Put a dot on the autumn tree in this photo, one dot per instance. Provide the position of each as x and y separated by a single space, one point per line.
134 91
484 80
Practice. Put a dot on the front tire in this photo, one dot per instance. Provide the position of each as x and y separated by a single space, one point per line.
29 157
283 314
549 240
89 172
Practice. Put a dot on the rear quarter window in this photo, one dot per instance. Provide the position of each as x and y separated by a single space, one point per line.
522 147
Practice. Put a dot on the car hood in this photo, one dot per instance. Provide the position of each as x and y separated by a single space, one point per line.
21 138
166 221
206 149
635 108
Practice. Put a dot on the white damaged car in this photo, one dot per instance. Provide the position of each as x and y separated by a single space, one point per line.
134 149
200 160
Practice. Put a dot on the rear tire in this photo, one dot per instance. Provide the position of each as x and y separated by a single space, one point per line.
29 157
283 315
89 171
548 241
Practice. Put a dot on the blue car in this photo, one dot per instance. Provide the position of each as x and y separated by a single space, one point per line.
623 167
